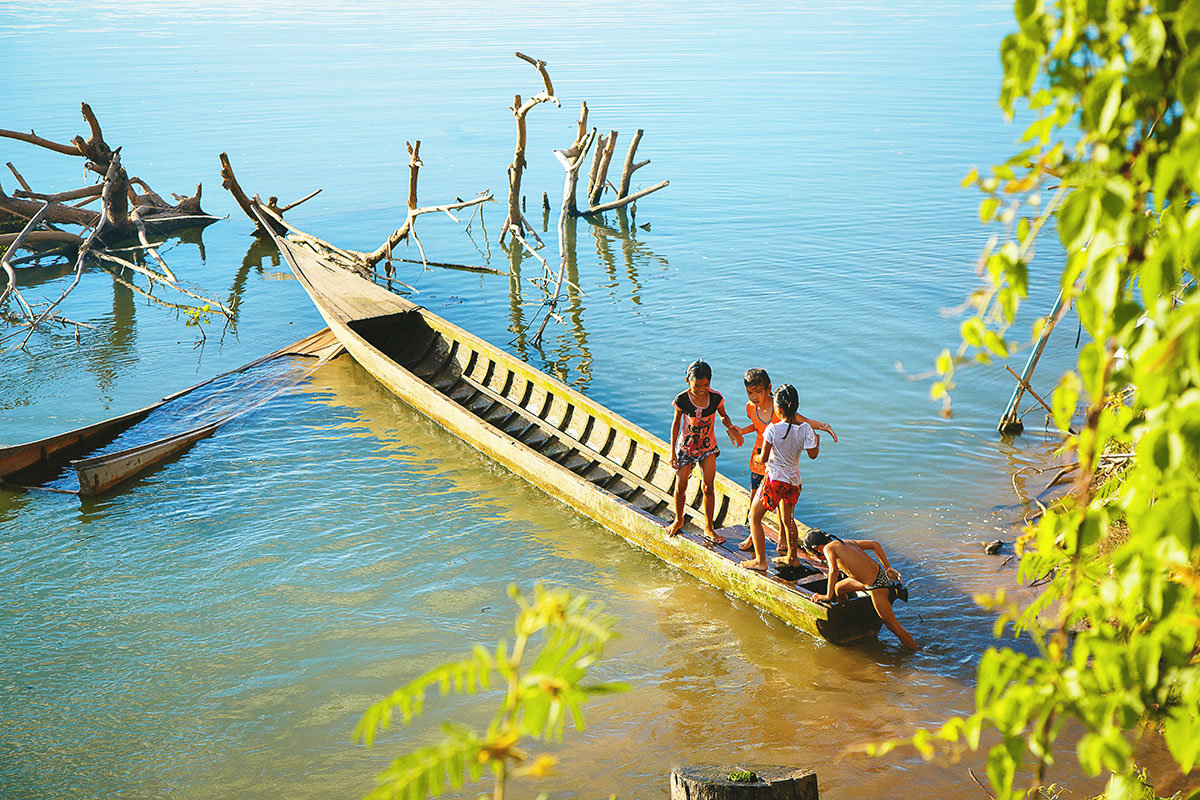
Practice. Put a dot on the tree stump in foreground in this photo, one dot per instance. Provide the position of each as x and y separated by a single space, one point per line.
743 783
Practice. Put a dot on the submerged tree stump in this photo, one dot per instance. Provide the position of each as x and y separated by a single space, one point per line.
743 783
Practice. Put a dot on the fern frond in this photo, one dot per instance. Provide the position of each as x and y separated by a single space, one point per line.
429 771
467 676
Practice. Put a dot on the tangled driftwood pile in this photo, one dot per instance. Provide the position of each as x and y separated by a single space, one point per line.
117 238
58 228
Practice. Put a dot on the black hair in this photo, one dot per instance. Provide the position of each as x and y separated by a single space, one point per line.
788 400
699 370
818 538
756 376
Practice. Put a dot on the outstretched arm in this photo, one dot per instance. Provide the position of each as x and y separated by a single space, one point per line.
831 561
735 435
819 426
876 548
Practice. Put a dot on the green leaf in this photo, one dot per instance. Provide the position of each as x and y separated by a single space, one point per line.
1065 400
995 343
1147 38
1101 101
987 208
1188 81
972 331
1077 218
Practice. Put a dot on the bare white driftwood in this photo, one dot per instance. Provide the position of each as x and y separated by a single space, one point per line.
515 219
6 263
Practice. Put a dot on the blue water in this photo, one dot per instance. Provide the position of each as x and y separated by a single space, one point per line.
214 630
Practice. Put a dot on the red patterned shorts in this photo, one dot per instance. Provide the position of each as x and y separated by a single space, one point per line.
773 493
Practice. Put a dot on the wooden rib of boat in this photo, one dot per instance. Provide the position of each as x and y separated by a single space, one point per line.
28 465
567 445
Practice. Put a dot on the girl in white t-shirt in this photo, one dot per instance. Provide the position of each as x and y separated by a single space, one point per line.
782 445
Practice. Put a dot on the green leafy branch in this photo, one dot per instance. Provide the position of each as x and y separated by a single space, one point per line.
1113 165
557 637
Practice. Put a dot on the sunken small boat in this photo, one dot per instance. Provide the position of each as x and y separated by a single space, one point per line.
565 444
38 465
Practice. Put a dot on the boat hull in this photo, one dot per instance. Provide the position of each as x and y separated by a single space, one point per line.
25 466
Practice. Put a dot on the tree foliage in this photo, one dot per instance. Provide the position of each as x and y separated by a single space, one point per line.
539 677
1114 165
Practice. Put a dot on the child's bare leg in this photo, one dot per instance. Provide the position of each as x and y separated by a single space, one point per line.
789 537
758 538
708 473
848 586
793 552
681 484
883 607
748 542
782 545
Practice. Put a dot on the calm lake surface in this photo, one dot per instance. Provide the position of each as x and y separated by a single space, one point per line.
214 630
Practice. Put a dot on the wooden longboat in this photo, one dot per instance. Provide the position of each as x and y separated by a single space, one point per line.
567 445
28 465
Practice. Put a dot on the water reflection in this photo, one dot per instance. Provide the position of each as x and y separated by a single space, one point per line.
569 357
258 250
193 235
633 251
564 353
569 360
516 312
112 346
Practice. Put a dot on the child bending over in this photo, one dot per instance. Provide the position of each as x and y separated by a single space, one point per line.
850 557
694 441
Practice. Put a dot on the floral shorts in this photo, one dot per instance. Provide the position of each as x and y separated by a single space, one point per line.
686 459
775 492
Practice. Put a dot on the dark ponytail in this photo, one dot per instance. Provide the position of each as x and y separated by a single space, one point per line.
788 400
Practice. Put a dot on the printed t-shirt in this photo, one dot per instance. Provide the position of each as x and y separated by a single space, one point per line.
784 464
756 464
696 436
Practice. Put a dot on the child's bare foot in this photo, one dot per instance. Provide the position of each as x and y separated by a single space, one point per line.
757 566
746 545
713 536
674 528
786 561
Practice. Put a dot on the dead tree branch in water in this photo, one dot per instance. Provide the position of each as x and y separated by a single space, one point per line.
515 219
363 263
598 175
407 230
571 159
124 215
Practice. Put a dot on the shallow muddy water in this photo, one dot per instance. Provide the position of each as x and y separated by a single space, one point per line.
214 630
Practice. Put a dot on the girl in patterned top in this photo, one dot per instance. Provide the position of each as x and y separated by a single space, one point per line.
694 441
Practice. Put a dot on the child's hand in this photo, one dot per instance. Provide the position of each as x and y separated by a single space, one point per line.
674 461
735 436
829 430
